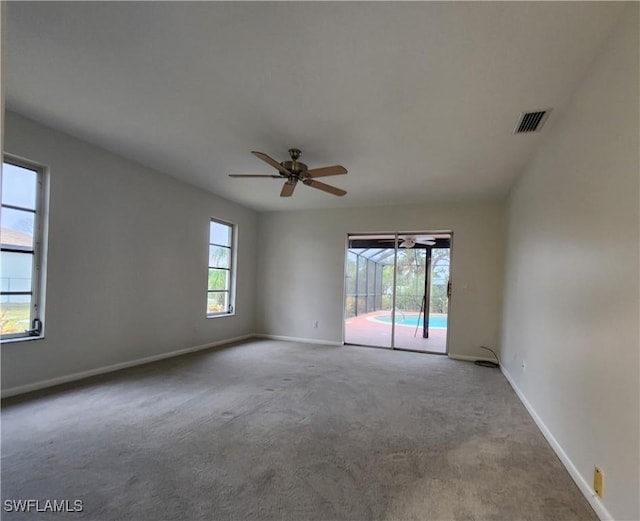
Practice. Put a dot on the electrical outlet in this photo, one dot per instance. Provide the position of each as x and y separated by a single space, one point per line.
598 481
315 324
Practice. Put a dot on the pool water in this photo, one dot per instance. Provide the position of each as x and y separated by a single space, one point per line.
436 321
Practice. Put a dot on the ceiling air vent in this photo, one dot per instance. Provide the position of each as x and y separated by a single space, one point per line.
531 121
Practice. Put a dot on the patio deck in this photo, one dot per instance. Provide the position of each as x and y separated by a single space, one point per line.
363 331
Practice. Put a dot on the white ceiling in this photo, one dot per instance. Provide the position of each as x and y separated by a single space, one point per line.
417 100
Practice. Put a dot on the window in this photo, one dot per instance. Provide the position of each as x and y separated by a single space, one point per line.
22 245
220 296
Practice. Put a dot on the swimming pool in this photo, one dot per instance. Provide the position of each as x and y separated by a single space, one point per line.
403 319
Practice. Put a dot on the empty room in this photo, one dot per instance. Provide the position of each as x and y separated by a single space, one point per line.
320 261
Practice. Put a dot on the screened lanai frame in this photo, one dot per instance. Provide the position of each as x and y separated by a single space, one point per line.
365 286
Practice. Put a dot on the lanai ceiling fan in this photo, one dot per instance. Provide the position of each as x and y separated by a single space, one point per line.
294 171
409 241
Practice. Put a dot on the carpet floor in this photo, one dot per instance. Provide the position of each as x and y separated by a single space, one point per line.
268 430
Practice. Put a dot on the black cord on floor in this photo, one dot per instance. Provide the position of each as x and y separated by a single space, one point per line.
488 363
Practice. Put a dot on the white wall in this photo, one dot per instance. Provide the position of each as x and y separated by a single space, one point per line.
127 263
571 292
302 258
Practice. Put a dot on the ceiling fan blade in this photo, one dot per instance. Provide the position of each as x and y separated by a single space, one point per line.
402 243
426 243
325 171
287 189
270 160
325 187
256 175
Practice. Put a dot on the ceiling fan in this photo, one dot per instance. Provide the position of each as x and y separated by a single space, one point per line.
409 241
294 171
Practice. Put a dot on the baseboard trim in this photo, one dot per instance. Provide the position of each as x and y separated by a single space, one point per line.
21 389
298 339
582 483
468 358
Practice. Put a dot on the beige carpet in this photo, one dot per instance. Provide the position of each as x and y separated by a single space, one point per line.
274 430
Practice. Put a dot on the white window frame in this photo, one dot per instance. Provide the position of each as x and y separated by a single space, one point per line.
231 290
38 275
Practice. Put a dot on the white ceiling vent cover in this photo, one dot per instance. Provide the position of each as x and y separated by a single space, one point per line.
531 121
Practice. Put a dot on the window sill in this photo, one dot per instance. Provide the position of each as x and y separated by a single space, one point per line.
4 341
220 315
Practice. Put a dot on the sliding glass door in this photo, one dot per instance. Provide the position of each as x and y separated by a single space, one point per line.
390 286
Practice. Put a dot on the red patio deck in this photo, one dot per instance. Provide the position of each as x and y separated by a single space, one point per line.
362 330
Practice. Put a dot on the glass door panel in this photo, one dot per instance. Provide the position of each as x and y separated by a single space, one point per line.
439 299
411 298
369 290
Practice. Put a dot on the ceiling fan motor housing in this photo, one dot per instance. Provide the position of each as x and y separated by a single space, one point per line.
295 167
